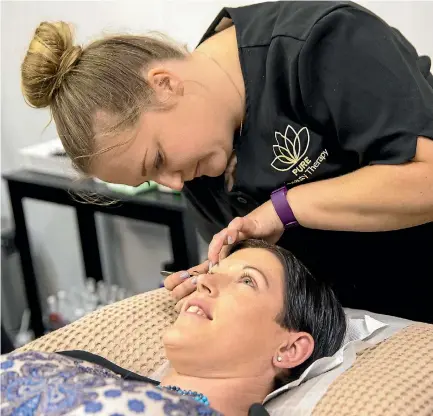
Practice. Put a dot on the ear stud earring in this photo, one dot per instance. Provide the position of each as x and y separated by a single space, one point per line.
279 359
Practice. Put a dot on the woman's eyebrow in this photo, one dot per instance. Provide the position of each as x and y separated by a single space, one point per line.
258 271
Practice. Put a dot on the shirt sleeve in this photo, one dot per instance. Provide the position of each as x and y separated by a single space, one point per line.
363 82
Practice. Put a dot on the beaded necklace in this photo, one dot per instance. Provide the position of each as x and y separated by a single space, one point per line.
199 397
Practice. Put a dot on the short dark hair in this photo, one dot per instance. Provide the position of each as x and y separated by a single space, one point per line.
309 306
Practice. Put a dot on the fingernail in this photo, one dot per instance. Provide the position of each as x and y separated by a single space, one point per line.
210 265
184 275
194 280
230 240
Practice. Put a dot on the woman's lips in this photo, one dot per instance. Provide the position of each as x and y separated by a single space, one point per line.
198 307
197 311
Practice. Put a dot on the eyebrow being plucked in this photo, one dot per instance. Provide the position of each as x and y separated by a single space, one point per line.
258 271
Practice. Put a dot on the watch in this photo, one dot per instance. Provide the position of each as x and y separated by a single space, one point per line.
282 207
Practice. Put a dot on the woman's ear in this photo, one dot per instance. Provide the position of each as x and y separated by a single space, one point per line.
297 349
165 83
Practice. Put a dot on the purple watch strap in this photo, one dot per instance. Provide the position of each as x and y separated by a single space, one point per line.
282 207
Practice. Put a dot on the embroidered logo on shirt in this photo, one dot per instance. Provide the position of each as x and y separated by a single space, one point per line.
291 147
290 154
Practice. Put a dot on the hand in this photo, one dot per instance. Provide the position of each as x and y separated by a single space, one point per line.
262 223
181 285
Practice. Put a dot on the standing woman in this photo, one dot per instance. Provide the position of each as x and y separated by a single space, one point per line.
316 117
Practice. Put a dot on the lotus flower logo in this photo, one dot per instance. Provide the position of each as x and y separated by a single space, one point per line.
290 150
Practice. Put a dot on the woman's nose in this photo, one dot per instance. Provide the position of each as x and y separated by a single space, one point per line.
171 180
207 283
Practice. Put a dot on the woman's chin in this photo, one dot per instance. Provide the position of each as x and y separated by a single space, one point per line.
185 330
213 172
176 338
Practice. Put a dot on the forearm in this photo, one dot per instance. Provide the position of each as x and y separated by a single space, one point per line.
374 198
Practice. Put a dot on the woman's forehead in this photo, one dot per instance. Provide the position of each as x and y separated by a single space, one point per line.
259 258
118 157
120 164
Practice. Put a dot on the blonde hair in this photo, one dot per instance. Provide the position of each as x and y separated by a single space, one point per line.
76 83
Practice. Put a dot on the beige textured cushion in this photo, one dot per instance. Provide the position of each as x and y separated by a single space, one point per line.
127 333
393 378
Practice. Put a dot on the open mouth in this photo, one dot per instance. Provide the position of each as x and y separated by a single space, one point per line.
199 309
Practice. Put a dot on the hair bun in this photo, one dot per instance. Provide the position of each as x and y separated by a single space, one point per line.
50 56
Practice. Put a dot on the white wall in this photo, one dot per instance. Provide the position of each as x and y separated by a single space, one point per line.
137 260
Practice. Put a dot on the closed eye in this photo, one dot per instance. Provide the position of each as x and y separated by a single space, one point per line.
159 161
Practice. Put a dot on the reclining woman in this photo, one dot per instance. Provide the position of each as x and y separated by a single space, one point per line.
228 355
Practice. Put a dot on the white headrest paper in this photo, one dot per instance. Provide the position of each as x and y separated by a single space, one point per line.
358 329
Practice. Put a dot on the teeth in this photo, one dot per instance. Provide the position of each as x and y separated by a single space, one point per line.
197 310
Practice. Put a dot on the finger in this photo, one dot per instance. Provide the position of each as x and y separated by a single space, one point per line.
228 236
219 236
246 225
232 236
236 224
234 229
177 278
184 289
224 252
199 269
216 245
241 228
179 305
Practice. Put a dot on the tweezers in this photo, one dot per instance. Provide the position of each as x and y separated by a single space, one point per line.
165 273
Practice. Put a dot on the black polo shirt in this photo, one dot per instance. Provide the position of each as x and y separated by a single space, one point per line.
330 88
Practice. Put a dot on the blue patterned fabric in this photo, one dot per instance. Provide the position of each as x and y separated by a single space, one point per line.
35 383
